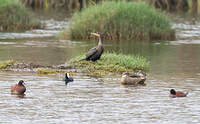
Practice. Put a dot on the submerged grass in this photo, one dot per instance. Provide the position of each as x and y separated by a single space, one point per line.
5 64
45 71
10 65
14 16
111 63
122 20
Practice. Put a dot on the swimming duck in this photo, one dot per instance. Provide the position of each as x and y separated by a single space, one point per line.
19 88
174 93
67 78
133 79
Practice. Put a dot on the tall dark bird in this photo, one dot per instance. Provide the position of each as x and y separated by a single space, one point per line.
67 78
19 88
96 52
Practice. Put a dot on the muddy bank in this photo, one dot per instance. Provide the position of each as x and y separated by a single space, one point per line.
31 67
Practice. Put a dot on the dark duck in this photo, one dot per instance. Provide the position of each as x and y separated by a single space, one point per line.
174 93
96 52
19 88
67 78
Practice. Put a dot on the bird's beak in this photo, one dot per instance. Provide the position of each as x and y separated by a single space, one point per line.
95 34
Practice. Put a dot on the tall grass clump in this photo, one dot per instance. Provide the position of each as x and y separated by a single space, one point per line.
14 16
122 20
111 62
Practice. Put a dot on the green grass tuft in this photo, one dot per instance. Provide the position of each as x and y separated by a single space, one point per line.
15 16
111 63
45 71
5 64
122 21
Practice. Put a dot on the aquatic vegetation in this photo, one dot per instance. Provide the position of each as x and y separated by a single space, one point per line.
171 6
122 20
15 16
11 65
67 4
53 4
5 64
45 71
111 63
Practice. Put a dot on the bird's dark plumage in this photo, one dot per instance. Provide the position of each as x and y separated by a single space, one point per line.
96 52
67 78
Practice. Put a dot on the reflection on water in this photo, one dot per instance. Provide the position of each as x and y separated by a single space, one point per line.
174 64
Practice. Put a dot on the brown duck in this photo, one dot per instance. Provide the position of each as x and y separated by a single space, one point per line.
19 88
133 79
174 93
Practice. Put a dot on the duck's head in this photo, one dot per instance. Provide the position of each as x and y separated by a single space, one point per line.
125 74
173 92
141 74
67 75
68 78
21 82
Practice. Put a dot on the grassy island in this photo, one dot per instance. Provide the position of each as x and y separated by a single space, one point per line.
110 63
15 16
121 21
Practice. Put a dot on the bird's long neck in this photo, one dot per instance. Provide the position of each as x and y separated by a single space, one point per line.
100 42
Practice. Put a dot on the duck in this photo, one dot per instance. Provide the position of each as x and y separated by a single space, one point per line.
67 78
19 88
133 79
95 53
174 93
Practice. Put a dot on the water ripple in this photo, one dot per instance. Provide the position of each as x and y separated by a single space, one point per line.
85 101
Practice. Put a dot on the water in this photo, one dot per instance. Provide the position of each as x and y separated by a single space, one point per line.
174 64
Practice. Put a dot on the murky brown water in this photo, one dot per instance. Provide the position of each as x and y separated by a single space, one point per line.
174 64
